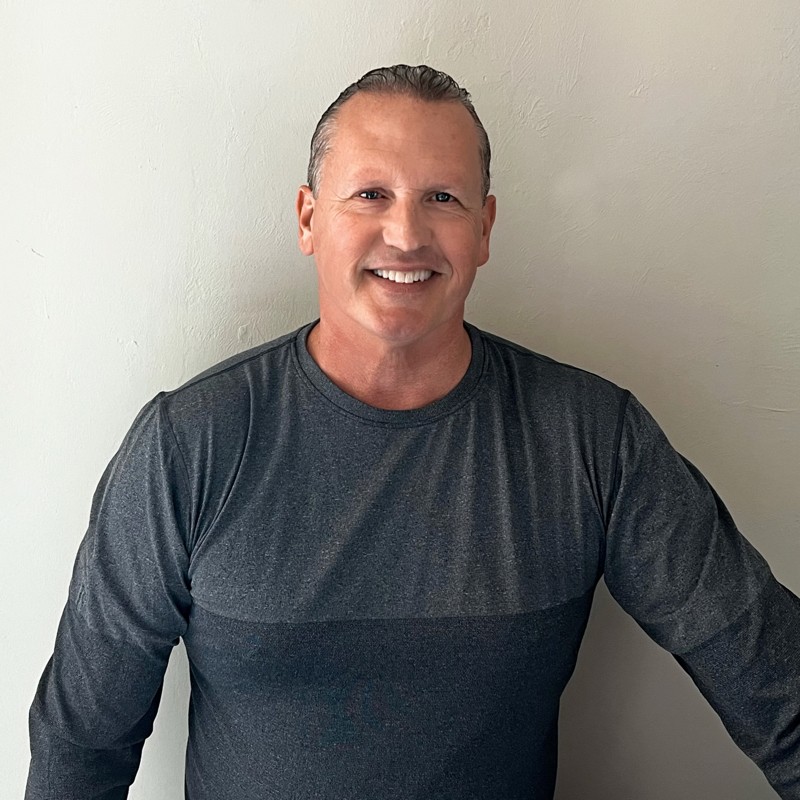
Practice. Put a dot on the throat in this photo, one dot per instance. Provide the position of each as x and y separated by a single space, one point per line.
393 379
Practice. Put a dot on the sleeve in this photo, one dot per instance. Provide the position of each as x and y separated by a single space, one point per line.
676 562
128 604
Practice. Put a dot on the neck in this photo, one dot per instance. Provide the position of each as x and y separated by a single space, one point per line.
390 376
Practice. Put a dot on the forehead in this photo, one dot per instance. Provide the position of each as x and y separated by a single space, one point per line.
385 130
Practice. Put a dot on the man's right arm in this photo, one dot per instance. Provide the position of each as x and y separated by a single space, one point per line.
128 604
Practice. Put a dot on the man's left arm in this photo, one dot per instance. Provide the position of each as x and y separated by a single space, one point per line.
677 563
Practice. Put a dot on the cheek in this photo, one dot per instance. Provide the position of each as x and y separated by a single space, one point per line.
461 244
352 235
335 243
342 251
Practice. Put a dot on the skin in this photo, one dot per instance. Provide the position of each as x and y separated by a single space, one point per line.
400 189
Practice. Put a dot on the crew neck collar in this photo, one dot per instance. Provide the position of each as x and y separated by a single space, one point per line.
456 397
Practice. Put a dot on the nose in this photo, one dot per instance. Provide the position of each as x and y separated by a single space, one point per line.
406 226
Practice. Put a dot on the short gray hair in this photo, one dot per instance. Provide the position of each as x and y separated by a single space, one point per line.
420 82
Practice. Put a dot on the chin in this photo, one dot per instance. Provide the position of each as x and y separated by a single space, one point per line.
404 329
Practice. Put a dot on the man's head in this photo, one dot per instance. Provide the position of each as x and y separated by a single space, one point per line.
398 218
420 82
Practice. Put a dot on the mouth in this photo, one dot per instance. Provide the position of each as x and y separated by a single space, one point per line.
403 276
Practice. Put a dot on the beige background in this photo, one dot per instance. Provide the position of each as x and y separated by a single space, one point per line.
648 178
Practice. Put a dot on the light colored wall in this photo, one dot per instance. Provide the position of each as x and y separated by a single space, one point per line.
648 175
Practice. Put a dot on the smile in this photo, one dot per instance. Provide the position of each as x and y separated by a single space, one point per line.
412 276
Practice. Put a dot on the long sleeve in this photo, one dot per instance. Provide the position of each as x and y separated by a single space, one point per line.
128 604
677 563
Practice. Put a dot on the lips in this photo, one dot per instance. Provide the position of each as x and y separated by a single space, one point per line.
403 276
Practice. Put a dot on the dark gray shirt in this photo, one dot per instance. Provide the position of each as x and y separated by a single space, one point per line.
388 604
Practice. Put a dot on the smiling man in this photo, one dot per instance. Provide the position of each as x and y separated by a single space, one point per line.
379 535
399 222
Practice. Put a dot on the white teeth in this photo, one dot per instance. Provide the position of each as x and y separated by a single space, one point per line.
404 277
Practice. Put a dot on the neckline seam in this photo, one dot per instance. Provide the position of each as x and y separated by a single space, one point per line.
429 417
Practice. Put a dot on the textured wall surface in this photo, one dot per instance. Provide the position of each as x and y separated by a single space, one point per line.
647 170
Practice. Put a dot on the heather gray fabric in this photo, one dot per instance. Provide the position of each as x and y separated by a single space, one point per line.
388 604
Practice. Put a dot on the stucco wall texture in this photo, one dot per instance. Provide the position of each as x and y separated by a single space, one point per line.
647 170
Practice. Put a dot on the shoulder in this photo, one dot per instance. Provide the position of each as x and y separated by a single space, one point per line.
550 387
211 418
230 388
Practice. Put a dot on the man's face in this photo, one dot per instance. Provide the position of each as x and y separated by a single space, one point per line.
399 226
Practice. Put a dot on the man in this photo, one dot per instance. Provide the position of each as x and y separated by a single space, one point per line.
379 535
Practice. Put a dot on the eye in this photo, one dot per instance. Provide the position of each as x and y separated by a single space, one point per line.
443 197
369 194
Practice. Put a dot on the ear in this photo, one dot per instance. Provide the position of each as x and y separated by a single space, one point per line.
488 214
305 211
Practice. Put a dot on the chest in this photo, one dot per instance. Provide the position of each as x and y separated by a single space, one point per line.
462 518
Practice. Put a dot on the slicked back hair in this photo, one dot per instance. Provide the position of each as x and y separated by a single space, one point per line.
420 82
